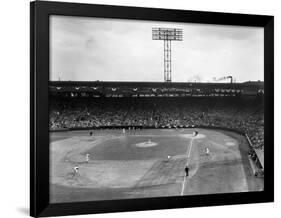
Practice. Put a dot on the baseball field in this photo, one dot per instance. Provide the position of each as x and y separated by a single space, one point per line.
148 163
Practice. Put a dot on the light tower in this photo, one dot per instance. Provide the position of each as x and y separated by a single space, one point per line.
167 35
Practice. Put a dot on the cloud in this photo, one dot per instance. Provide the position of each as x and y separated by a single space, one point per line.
123 50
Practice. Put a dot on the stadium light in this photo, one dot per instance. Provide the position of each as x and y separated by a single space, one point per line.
167 35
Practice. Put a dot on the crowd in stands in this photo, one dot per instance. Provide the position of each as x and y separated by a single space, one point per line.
244 115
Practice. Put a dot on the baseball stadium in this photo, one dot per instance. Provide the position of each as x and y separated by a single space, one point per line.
123 140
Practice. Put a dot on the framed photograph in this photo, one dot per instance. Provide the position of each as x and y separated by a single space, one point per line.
142 109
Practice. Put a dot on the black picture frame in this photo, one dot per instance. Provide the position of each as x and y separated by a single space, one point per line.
39 119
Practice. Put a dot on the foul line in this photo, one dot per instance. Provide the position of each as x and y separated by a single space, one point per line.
190 147
188 155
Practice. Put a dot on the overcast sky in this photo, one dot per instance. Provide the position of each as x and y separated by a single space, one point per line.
89 49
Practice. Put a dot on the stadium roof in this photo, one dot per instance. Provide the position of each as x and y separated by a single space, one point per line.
249 84
155 88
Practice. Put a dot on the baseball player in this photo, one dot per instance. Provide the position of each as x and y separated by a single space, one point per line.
186 169
76 169
207 150
87 158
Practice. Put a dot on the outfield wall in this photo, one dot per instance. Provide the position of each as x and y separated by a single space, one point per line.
146 127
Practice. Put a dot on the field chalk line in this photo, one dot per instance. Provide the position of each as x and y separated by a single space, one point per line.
188 155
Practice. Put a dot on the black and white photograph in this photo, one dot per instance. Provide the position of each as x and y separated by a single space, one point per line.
119 108
141 109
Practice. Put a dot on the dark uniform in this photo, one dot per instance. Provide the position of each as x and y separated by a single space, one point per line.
186 169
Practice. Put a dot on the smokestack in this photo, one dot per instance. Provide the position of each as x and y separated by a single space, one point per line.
231 79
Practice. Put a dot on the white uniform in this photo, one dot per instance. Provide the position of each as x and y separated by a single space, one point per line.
87 157
76 169
207 151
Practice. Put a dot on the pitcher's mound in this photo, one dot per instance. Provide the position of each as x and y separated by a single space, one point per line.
146 144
